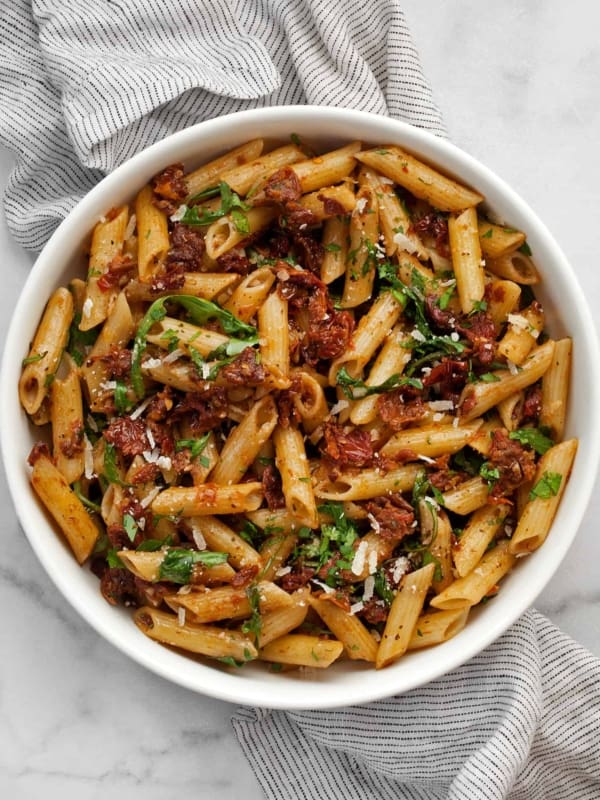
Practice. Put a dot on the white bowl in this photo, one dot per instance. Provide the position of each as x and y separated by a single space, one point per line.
346 683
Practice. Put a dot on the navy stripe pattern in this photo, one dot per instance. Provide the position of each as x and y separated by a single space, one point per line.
84 86
521 721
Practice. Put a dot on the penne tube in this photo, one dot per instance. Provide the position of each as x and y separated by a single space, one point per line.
302 650
555 389
116 332
226 233
466 258
169 331
245 441
372 329
309 400
107 243
467 497
361 256
510 410
66 508
250 294
208 175
552 473
275 551
432 440
291 461
197 284
394 219
204 639
436 627
277 623
391 360
436 532
66 415
470 590
245 178
44 355
482 441
348 629
331 201
477 398
419 178
515 267
182 376
326 169
280 518
153 236
502 298
368 483
335 244
403 615
274 339
208 498
497 240
229 602
479 531
222 539
522 333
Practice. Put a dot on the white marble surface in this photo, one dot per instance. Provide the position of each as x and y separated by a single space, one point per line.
518 84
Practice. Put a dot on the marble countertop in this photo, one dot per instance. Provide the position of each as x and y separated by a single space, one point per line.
518 85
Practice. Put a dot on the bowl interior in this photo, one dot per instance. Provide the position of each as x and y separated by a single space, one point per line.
346 683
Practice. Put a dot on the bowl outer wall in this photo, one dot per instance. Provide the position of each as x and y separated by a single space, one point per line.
345 684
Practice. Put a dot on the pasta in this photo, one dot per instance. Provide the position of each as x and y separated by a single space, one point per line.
303 407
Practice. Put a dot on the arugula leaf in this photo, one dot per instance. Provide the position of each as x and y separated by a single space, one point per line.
152 545
429 558
547 486
254 623
114 562
444 298
355 388
122 403
80 340
382 587
178 563
111 472
332 247
230 201
130 525
487 377
525 249
230 661
534 438
84 499
205 194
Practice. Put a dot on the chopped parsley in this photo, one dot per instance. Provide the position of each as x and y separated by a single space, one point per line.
33 359
79 340
230 202
130 526
196 447
525 249
534 438
489 474
253 624
547 486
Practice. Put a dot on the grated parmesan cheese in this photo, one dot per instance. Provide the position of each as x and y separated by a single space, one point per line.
512 367
358 562
152 363
151 439
137 412
339 406
198 538
130 227
88 458
164 462
518 321
361 204
441 405
404 243
283 571
181 616
369 588
145 501
400 568
173 356
374 524
179 214
418 336
356 607
372 562
326 589
86 309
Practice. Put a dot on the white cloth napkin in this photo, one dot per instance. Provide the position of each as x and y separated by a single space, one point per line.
83 86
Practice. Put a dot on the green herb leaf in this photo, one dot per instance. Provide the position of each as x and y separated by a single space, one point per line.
130 525
177 565
114 562
547 486
254 623
111 472
79 341
489 474
122 403
240 220
429 558
84 499
195 446
488 377
525 249
488 234
332 247
33 359
534 438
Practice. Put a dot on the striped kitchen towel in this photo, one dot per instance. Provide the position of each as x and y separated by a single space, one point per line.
84 86
520 721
